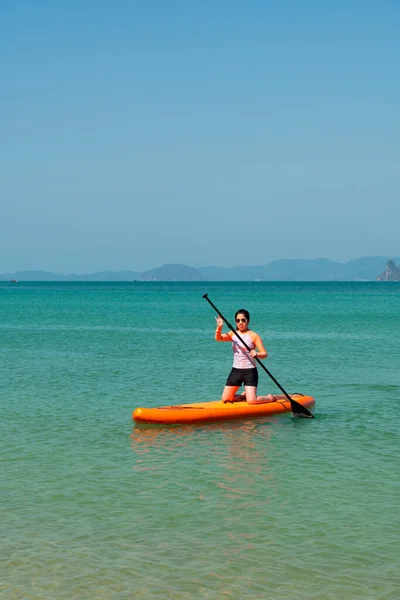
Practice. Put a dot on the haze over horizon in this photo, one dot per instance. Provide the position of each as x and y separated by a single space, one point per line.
205 266
137 134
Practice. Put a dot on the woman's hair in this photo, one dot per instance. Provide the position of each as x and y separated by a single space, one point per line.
243 311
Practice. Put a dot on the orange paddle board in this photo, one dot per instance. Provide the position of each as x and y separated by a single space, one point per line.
201 412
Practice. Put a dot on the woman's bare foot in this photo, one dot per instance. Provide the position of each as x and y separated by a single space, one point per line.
265 399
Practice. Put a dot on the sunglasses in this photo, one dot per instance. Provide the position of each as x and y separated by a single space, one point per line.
241 320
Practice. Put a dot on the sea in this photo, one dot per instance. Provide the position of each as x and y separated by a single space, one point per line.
95 507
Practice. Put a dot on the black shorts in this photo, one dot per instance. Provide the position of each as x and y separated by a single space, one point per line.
246 376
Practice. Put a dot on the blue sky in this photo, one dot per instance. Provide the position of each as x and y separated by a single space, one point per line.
224 133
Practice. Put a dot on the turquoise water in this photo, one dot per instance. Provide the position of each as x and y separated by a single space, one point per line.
278 508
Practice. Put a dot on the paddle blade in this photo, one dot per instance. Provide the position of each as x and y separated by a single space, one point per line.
300 411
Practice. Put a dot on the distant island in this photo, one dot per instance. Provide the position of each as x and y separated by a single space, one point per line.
391 273
320 269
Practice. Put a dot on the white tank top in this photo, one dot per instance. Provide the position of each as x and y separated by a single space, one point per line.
241 356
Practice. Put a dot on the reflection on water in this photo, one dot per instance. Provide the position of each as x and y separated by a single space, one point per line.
242 455
223 475
238 437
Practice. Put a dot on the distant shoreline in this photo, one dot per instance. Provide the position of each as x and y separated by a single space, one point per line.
199 283
290 270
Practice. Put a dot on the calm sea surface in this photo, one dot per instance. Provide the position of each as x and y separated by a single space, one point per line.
279 508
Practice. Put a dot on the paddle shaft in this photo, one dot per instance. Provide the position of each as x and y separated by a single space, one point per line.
297 408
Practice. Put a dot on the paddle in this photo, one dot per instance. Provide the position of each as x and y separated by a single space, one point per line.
297 409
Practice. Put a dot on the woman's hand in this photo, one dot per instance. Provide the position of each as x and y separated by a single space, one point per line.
220 322
253 353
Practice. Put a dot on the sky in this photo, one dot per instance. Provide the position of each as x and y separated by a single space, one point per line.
226 133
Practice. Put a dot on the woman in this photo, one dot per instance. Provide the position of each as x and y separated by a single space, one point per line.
244 369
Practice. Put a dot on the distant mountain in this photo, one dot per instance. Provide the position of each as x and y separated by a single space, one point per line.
391 273
48 276
320 269
172 273
302 270
365 268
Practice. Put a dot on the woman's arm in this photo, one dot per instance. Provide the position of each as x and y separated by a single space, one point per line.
219 336
260 351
